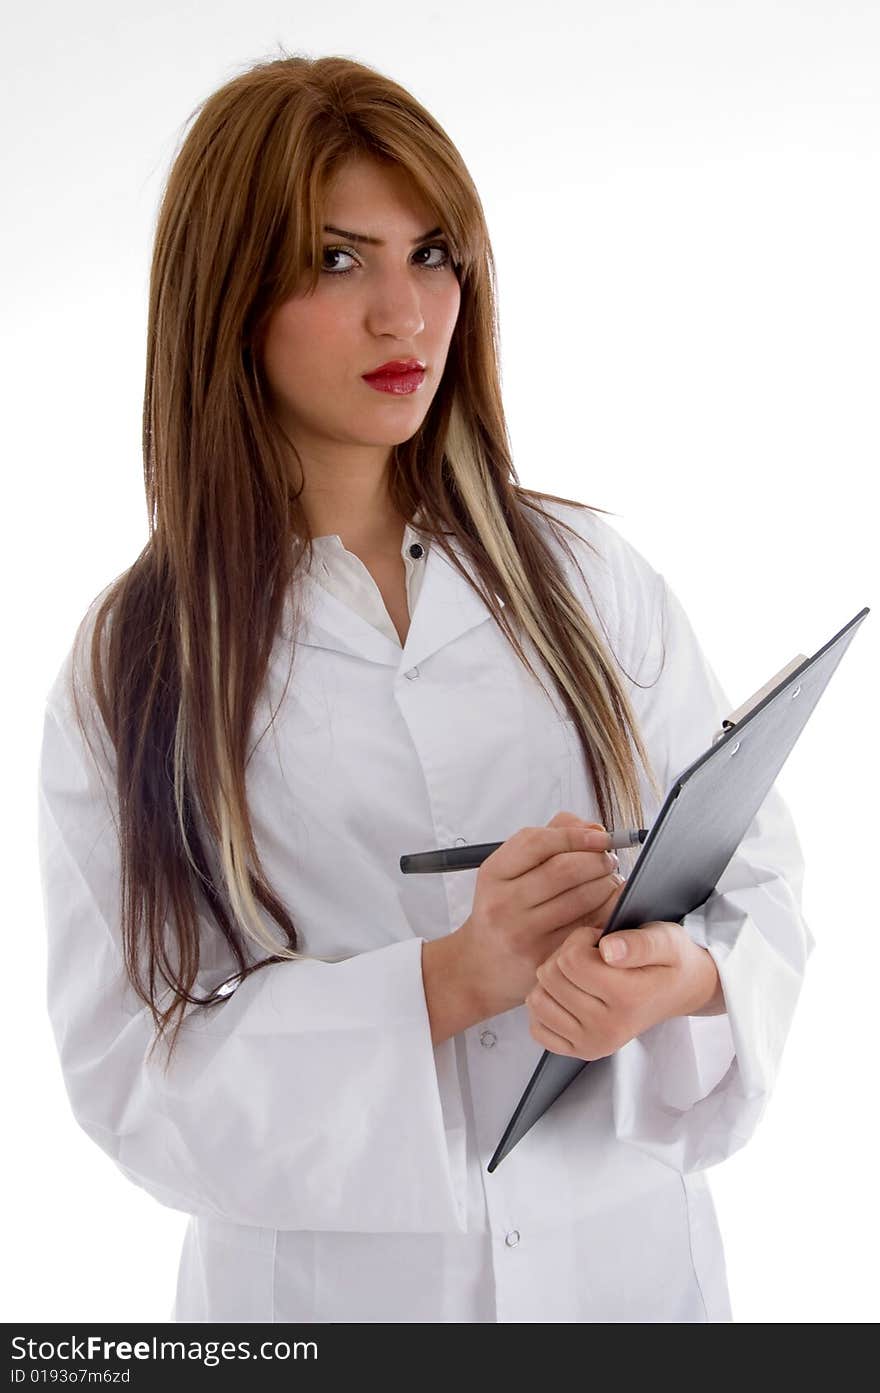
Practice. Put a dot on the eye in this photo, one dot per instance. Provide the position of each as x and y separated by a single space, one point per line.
441 247
336 251
445 258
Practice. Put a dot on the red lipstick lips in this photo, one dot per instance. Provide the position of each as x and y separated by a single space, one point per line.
400 376
397 366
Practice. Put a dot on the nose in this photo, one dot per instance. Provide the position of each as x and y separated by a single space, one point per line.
395 307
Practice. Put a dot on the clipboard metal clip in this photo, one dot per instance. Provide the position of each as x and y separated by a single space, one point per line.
742 711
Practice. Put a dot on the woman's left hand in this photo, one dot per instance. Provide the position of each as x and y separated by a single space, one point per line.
587 1006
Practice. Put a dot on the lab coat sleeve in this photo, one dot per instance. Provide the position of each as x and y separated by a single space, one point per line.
692 1089
308 1099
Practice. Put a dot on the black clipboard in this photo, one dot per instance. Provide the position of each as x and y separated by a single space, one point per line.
705 816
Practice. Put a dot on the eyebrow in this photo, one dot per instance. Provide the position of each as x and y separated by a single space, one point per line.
374 241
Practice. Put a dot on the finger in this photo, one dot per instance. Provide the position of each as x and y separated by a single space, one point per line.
549 1024
556 1044
581 943
567 819
542 893
606 908
552 1013
564 975
653 944
531 846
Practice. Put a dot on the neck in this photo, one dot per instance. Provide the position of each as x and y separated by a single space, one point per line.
350 498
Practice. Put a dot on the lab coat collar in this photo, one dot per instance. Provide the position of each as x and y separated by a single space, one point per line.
446 608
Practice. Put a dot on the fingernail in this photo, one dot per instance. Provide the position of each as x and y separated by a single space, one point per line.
618 877
613 948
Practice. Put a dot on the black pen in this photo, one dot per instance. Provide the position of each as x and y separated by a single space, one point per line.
467 858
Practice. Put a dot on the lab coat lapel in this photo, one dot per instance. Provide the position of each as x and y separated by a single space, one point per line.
328 623
446 608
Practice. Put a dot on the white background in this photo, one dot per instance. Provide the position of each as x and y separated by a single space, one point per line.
683 202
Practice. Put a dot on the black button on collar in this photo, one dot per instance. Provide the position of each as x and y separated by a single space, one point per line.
416 550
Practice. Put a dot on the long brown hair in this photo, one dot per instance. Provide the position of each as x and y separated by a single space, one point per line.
181 640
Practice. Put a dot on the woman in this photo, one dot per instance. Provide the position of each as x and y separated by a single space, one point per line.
352 634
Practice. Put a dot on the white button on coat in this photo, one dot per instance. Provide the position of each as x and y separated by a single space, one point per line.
332 1160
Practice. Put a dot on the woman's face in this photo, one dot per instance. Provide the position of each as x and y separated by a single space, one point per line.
373 304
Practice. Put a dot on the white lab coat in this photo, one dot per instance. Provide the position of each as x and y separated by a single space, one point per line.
334 1162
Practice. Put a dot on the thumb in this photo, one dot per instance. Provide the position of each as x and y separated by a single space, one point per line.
649 945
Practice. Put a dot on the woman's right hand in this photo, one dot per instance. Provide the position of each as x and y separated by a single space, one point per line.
542 883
